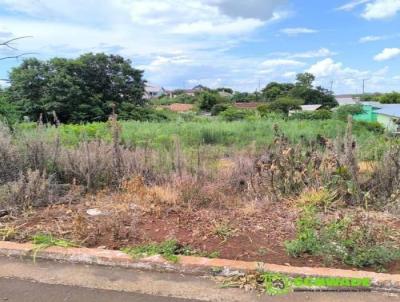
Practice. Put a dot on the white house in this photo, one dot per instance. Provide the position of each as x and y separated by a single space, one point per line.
153 91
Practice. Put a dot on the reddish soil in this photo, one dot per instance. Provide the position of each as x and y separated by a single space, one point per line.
252 234
177 107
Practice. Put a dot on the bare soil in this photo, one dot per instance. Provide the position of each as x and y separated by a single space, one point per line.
254 233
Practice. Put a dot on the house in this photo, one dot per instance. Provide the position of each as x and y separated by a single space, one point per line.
153 91
388 115
306 108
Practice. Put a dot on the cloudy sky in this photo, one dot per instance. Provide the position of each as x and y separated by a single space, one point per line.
235 43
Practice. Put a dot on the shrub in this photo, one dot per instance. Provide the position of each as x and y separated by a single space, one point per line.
314 115
370 126
347 239
218 108
207 100
284 105
344 111
390 98
233 114
131 112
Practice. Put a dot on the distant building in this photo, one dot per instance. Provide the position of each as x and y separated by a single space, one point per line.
153 91
388 115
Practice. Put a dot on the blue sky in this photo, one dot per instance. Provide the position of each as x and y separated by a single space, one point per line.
235 43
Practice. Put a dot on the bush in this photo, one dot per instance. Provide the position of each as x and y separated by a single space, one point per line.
218 108
233 114
314 115
390 98
143 114
207 100
370 126
344 111
352 240
283 105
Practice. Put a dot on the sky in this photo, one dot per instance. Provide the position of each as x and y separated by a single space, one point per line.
243 44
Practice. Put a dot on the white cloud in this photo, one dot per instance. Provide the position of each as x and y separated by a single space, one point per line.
374 9
294 31
238 26
387 54
281 62
367 39
289 74
322 52
352 5
381 9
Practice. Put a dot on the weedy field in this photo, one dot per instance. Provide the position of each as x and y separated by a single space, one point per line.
316 193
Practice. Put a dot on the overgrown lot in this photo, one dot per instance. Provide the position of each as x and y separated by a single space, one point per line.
285 191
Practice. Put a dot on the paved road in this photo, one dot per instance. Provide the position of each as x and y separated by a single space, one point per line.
25 281
13 290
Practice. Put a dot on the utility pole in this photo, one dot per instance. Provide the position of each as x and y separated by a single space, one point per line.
363 89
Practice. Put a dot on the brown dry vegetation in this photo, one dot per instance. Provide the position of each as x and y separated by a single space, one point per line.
244 205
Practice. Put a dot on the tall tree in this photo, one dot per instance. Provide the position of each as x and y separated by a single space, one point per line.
78 90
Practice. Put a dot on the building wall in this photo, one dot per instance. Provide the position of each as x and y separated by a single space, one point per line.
388 123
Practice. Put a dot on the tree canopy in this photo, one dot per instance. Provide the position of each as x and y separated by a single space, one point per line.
81 89
303 89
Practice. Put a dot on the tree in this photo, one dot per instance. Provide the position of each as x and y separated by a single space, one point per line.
305 80
208 100
313 96
78 90
275 90
390 98
284 105
8 112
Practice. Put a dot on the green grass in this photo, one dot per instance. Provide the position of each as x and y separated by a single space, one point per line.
43 241
218 134
338 240
47 240
169 249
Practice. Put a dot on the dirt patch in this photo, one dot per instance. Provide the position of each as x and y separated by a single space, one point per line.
178 107
252 233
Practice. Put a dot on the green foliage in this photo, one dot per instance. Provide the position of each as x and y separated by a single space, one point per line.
244 97
207 100
47 240
370 126
322 114
284 105
303 89
390 98
233 114
169 249
276 90
305 80
218 108
78 90
9 113
221 134
343 112
340 240
128 111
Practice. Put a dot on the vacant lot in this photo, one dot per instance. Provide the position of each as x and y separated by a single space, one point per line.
291 192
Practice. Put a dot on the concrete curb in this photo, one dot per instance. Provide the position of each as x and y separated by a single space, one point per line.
188 264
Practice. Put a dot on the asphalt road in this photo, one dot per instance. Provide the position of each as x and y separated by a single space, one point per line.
13 290
45 281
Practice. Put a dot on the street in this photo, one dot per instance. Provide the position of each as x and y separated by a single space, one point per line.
44 281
